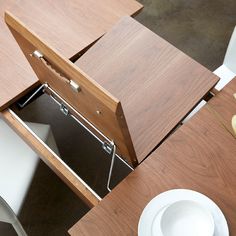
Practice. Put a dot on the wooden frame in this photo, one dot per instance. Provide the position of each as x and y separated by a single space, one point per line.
93 101
77 185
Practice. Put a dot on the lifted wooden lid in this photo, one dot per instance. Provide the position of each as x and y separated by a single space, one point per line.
68 25
157 84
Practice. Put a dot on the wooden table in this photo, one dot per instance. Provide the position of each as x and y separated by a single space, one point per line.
69 26
201 155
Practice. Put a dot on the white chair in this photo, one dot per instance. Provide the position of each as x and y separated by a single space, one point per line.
18 164
227 71
8 216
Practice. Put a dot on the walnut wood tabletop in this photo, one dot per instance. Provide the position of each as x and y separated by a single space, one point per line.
16 75
201 155
69 26
156 83
223 105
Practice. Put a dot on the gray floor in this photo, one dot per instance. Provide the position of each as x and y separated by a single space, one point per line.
200 28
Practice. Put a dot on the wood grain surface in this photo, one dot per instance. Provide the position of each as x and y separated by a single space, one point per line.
223 105
156 83
69 26
92 101
201 155
16 75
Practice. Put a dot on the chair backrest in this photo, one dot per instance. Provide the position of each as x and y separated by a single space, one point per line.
8 216
95 103
230 56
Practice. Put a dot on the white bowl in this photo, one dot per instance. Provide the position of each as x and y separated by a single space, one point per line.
186 218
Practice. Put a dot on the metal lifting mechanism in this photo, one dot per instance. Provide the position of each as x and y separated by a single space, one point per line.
107 144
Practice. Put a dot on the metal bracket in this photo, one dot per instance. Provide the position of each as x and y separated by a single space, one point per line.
75 86
37 54
64 109
110 148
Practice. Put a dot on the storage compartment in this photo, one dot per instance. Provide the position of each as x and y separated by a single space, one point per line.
81 154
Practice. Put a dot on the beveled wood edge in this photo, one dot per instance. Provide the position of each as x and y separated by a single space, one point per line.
141 7
97 90
121 120
76 184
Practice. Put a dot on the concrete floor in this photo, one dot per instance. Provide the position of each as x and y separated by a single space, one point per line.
200 28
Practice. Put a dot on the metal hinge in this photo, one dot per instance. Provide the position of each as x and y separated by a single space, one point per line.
108 146
64 109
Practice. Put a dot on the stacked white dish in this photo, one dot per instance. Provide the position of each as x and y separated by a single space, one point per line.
182 212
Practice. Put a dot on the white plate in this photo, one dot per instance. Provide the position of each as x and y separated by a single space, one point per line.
185 218
150 215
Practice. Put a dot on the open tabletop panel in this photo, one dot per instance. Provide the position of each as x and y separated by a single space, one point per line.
70 26
91 100
157 84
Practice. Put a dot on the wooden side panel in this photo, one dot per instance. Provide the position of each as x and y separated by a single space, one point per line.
76 184
93 102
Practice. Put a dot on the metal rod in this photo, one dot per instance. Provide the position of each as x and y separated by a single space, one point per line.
77 113
32 96
78 121
111 166
87 129
86 121
46 86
